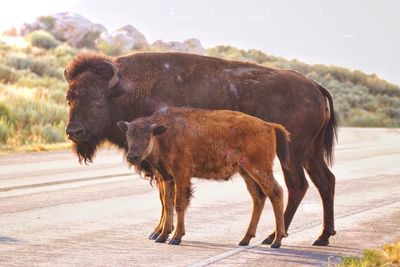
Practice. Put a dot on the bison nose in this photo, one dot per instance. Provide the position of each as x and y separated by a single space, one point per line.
132 158
75 133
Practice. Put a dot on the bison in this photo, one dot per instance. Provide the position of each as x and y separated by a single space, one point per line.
104 90
181 143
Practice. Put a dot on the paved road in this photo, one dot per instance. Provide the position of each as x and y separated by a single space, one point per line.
54 211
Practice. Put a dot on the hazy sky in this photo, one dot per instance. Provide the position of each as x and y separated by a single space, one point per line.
358 34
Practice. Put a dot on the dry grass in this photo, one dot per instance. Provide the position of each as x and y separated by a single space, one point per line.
7 149
389 256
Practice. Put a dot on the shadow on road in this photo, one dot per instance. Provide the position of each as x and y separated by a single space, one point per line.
206 244
4 239
306 255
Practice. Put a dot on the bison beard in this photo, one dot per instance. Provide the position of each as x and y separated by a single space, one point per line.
86 150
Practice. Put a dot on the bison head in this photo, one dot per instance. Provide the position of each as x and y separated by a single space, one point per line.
140 136
93 82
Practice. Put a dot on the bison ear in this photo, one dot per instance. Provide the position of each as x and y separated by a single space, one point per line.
123 126
158 129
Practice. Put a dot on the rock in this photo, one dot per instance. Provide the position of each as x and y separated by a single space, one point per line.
126 38
78 31
68 27
189 46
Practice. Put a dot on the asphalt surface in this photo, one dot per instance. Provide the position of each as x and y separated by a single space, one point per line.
55 212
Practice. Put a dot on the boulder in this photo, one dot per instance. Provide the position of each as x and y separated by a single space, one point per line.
126 38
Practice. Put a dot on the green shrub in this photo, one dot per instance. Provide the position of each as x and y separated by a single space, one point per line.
5 130
4 111
7 74
108 49
48 21
42 39
45 134
64 54
362 118
58 97
36 121
19 61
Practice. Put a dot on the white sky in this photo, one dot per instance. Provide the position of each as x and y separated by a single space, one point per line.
358 34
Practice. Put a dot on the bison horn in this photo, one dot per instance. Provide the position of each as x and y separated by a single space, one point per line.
66 75
115 78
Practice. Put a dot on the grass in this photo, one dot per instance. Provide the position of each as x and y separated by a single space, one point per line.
389 256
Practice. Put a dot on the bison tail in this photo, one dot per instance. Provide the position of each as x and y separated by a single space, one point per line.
282 144
331 128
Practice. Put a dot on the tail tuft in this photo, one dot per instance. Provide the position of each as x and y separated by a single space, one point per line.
331 128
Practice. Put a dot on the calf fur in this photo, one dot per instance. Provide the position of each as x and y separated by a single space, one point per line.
182 143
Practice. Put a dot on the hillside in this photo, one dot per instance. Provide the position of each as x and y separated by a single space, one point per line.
32 88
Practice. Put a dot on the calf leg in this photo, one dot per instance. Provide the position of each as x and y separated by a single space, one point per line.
258 204
273 190
168 211
324 180
183 193
157 231
297 186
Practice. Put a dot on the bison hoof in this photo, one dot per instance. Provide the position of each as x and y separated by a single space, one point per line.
244 243
154 235
275 245
268 240
161 239
174 242
320 242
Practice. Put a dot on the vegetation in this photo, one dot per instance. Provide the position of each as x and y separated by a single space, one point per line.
361 100
389 256
42 39
32 89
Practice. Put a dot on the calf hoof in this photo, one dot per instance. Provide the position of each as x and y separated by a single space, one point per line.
154 235
320 242
161 239
275 245
174 242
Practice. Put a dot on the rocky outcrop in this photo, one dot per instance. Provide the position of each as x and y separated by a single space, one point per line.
78 31
126 38
68 27
190 45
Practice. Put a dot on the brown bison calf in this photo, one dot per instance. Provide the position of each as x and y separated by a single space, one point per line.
181 143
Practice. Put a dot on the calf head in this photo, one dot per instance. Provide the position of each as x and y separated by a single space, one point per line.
140 135
92 85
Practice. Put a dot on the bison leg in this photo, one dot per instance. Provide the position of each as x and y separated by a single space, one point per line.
168 211
183 193
324 180
297 186
273 190
157 231
258 204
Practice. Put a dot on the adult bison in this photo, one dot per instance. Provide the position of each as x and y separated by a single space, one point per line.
104 90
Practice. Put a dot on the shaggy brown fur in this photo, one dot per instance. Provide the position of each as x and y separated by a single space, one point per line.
148 82
183 143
